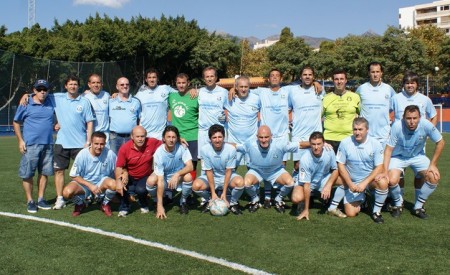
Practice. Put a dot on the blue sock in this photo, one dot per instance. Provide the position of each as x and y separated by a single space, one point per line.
109 195
339 194
252 193
380 197
78 199
396 195
267 190
284 191
416 193
186 190
236 193
425 192
204 194
152 191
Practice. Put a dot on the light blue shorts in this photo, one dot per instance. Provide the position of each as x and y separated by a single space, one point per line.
317 186
37 156
417 163
271 178
354 196
87 191
218 182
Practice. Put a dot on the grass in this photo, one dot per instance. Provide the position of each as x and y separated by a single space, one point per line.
265 240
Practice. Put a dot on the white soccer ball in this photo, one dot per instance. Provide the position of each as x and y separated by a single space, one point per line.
218 207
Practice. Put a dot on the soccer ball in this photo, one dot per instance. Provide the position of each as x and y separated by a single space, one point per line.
218 207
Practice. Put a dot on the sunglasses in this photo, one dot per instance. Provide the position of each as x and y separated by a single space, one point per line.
42 90
124 84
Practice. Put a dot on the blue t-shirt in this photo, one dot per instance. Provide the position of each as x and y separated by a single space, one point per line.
409 143
100 105
37 121
360 159
375 106
242 118
124 114
313 169
218 161
168 163
211 105
94 168
73 116
401 100
274 110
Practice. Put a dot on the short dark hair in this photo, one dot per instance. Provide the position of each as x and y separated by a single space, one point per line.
374 63
411 109
316 135
171 128
410 77
360 120
215 128
209 68
151 71
182 75
339 71
92 75
274 70
98 134
307 67
72 77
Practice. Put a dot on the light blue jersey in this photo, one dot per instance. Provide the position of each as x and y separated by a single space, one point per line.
72 116
154 103
267 161
274 110
375 105
401 100
306 108
168 163
408 144
123 114
314 169
218 161
92 168
211 106
100 105
242 118
360 159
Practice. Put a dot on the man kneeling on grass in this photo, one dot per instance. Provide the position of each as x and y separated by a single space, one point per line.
92 175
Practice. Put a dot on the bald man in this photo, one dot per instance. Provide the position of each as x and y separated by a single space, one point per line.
266 163
124 112
135 157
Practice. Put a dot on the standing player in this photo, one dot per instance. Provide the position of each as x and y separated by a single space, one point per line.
154 102
340 107
173 164
405 148
266 163
375 103
218 171
242 115
92 174
360 164
36 143
124 112
211 102
318 174
99 100
184 110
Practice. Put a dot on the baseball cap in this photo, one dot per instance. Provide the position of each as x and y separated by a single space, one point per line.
41 83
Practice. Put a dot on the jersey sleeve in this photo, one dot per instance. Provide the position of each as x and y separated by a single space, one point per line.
341 156
430 110
333 164
378 153
304 175
393 137
231 161
78 166
433 132
186 155
291 147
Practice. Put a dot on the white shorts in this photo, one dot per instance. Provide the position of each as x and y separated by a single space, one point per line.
87 191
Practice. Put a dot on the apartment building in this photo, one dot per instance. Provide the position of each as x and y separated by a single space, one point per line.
436 13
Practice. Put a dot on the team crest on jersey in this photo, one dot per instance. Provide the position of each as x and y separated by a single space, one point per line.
179 111
132 109
219 98
283 96
386 96
371 155
105 101
254 109
275 156
79 109
421 138
349 99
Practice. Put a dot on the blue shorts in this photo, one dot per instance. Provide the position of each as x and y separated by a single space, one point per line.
271 178
418 163
87 191
354 196
317 186
218 182
37 156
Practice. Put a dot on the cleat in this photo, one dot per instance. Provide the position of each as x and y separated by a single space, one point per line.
205 207
298 209
396 211
144 210
122 214
279 206
337 213
77 210
106 209
184 210
377 218
31 207
43 205
167 200
191 200
420 213
59 204
253 207
267 204
235 209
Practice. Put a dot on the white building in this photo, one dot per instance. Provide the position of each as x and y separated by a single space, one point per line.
264 44
436 13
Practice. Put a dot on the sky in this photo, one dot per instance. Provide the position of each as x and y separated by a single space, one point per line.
260 18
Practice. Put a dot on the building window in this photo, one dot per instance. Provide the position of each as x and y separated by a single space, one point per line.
445 8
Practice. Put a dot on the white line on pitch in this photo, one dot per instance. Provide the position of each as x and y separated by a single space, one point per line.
164 247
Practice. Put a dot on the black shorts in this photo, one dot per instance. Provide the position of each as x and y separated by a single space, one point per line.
193 149
61 156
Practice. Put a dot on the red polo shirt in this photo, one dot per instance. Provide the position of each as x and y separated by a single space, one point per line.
139 163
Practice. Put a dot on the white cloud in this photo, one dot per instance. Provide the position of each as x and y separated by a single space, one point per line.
108 3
